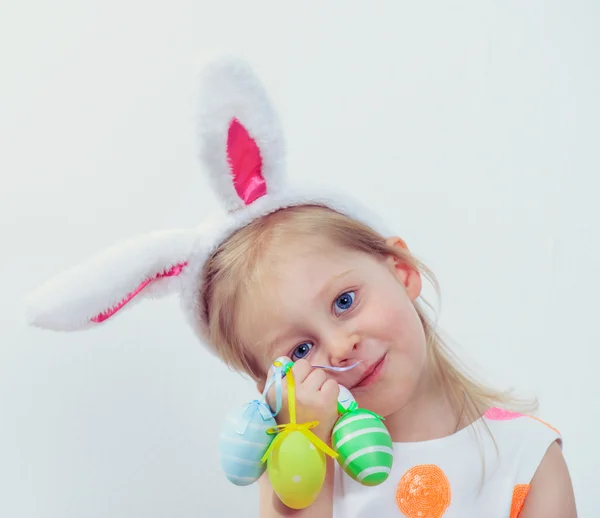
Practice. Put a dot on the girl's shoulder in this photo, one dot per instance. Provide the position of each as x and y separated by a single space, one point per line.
505 423
530 450
521 440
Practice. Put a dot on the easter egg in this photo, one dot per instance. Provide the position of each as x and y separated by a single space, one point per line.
345 399
243 442
364 446
296 470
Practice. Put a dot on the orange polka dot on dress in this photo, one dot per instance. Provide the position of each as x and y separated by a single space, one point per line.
518 500
424 490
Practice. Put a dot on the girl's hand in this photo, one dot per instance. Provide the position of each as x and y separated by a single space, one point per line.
316 399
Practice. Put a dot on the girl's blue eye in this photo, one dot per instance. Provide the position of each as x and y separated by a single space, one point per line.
344 301
301 351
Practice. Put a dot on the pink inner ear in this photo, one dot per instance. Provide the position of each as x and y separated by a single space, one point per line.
105 315
246 163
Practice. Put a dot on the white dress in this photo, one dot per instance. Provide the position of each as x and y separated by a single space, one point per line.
449 477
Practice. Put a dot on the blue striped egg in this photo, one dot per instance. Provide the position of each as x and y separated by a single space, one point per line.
243 442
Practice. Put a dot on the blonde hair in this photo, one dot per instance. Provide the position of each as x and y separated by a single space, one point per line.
238 265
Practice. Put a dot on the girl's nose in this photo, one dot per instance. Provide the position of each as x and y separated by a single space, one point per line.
342 349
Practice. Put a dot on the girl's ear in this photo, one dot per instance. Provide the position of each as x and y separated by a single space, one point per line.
408 276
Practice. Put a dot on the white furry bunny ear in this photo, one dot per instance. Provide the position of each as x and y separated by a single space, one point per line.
241 141
94 291
242 152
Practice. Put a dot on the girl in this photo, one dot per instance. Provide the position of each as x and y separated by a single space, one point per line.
319 279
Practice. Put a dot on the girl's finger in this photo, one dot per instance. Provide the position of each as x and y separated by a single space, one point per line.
301 369
314 381
330 391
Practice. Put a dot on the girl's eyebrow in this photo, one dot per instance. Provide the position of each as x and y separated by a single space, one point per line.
327 286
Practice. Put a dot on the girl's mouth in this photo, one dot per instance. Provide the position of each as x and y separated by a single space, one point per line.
372 373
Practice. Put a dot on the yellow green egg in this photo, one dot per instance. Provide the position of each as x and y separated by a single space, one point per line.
296 470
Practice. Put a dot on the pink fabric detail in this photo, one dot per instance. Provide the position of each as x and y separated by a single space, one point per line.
499 414
246 163
105 315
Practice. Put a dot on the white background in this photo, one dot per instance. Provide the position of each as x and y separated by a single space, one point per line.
472 126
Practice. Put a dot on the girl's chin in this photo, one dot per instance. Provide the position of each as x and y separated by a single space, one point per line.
382 405
383 398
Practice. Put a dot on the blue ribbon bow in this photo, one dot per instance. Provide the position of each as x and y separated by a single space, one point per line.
260 405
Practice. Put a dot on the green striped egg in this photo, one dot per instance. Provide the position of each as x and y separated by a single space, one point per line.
364 446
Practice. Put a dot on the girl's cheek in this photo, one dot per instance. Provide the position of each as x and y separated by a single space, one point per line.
318 357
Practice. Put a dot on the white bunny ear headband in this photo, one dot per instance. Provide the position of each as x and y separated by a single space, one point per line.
242 151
